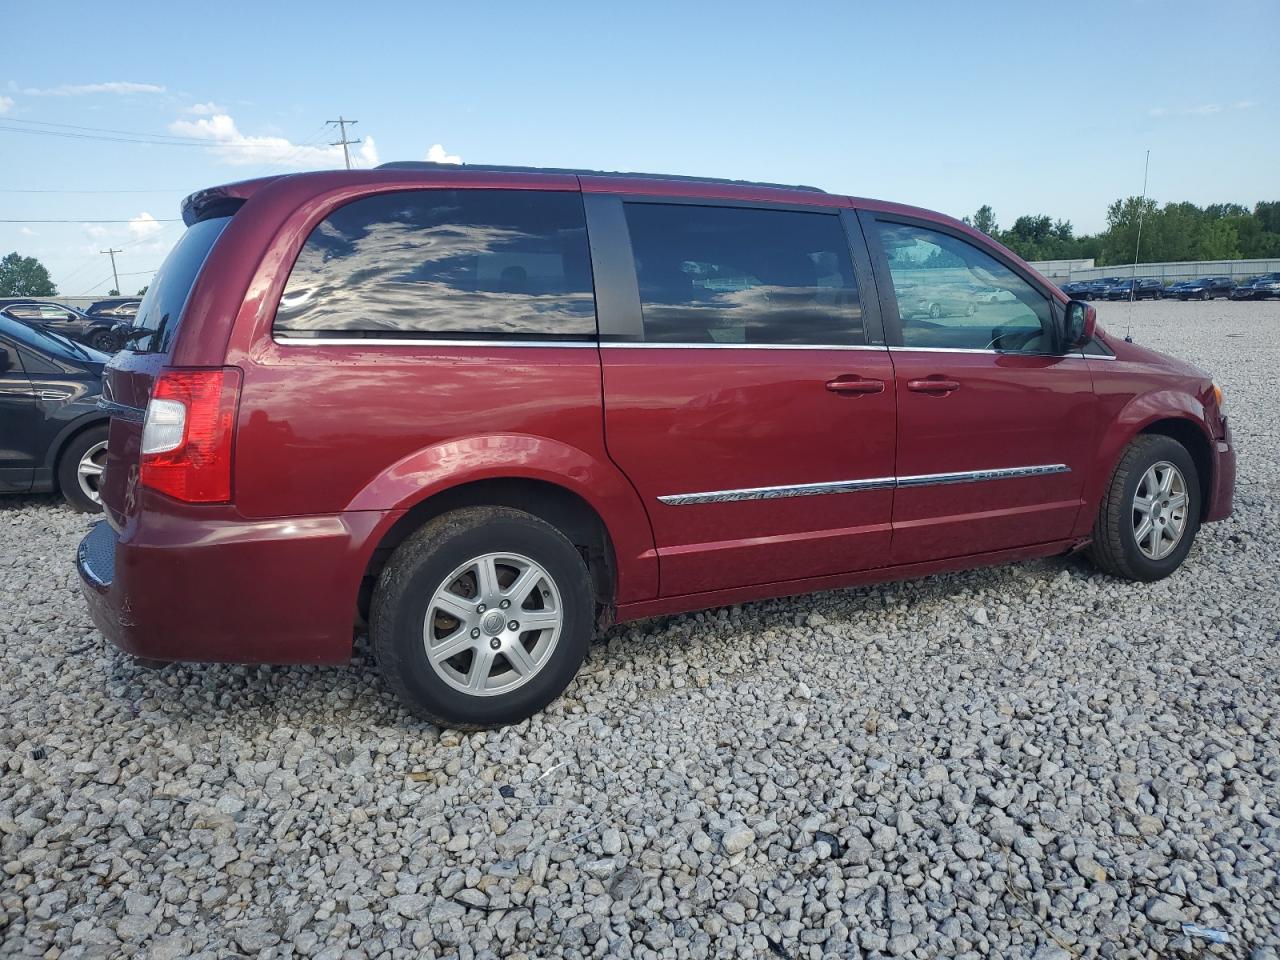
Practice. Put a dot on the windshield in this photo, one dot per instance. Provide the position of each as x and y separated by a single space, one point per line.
46 341
161 309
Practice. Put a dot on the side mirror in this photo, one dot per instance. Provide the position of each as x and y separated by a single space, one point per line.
6 361
1081 322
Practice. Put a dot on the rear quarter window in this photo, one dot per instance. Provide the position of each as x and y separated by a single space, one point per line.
451 264
161 310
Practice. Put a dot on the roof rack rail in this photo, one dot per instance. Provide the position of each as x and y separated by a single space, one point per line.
497 168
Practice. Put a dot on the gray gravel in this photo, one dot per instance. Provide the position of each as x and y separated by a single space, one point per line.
1031 761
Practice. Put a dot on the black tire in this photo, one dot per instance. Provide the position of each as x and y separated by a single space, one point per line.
1115 548
104 340
935 311
69 465
421 564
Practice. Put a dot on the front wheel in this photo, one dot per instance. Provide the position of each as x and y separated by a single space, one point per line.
482 617
1150 511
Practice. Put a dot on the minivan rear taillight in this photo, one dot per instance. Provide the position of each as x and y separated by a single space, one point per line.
189 432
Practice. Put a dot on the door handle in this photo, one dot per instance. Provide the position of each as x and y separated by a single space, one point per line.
932 385
855 385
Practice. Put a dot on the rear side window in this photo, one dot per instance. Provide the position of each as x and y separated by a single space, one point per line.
494 264
162 306
743 275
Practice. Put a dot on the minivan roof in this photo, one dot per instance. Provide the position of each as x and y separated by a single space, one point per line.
583 172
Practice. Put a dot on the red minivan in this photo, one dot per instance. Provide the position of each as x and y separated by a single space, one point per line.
487 410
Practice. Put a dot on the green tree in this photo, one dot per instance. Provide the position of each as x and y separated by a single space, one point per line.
984 220
1123 219
25 277
143 291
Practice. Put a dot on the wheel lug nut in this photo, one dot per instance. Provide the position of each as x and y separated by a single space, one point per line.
475 633
513 625
481 608
495 643
504 604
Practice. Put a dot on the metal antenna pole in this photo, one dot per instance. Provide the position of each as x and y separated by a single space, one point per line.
1133 274
115 276
341 124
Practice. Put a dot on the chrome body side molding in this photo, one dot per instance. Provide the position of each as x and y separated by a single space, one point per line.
854 486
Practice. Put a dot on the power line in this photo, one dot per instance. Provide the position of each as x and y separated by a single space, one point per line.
342 126
156 190
164 220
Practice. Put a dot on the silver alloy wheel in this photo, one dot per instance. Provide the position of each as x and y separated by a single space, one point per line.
493 624
89 470
1160 510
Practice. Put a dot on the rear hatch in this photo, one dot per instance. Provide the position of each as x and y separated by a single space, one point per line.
129 378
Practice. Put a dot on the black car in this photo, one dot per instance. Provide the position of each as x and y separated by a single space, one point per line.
53 435
1140 288
1075 288
1259 288
103 333
122 308
1206 288
1097 289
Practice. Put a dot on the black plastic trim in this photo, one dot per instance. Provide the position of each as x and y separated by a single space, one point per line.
618 316
872 323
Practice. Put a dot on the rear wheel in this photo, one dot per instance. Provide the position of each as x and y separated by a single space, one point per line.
80 469
935 311
105 340
1150 512
482 617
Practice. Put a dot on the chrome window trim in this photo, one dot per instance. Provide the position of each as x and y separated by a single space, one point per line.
1073 355
656 345
854 486
425 342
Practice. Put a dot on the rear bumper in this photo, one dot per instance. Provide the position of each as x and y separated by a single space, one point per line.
229 589
1224 476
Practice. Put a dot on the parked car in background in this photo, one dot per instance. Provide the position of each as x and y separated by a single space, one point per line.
1075 288
1257 288
122 308
53 434
1136 289
103 333
1264 288
1097 289
489 409
1206 288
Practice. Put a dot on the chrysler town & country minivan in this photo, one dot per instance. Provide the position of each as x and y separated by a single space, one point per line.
487 410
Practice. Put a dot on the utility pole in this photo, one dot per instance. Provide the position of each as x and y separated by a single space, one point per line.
112 253
341 124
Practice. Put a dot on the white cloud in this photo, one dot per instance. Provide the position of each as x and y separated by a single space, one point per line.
28 232
1201 110
437 154
94 230
144 225
5 104
204 109
79 89
238 149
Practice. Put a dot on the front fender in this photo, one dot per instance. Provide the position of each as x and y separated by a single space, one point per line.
453 463
1133 418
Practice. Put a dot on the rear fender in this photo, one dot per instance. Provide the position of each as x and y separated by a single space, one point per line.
464 460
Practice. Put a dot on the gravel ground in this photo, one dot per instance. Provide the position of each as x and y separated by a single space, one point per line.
1031 761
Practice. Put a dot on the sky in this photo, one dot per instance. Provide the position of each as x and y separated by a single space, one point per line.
114 112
